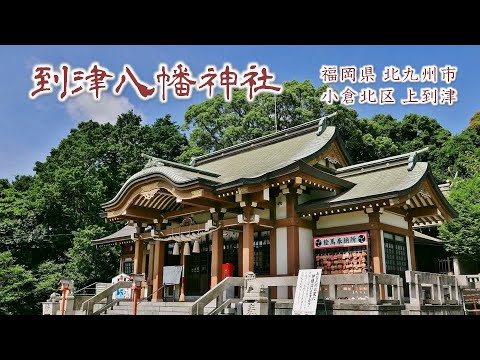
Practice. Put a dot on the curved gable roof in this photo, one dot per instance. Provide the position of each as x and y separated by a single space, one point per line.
254 159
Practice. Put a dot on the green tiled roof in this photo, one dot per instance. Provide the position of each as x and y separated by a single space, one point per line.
124 234
264 156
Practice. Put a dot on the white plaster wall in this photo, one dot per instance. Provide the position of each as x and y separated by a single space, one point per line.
264 214
351 218
393 219
306 248
282 265
281 207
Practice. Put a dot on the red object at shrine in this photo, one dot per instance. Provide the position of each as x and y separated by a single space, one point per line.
227 270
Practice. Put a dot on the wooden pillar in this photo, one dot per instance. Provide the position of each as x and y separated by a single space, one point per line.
273 249
240 255
159 256
411 238
273 259
293 250
247 243
217 257
122 260
217 252
376 242
376 246
151 261
138 258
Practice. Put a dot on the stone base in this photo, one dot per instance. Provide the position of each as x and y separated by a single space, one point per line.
284 307
255 308
365 309
433 310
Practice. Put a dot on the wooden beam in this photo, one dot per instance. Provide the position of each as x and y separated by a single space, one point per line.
294 221
260 196
359 227
182 212
267 223
141 212
342 229
209 203
424 211
183 229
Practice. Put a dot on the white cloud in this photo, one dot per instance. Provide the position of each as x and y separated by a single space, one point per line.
84 108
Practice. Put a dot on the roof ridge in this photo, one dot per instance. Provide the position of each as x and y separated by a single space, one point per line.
155 161
264 140
390 161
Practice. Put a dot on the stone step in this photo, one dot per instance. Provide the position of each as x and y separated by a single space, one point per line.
125 308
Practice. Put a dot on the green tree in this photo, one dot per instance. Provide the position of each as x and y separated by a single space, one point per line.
4 184
88 264
457 154
16 284
475 120
217 124
47 276
90 165
462 236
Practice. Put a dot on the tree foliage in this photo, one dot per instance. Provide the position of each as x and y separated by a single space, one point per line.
88 264
462 236
49 219
16 284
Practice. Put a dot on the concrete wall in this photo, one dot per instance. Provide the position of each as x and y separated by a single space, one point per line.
352 218
306 260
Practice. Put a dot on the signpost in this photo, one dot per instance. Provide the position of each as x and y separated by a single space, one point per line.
306 293
172 276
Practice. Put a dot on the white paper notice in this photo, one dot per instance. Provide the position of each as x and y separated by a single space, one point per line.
306 293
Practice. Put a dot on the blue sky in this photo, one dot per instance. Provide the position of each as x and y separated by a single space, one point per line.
30 128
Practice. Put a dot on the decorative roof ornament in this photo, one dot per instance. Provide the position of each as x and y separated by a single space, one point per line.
322 123
152 161
413 158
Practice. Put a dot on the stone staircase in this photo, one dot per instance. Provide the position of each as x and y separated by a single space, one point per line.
155 308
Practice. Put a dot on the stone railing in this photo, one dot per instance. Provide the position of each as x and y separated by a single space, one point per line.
434 289
218 293
362 288
107 294
469 281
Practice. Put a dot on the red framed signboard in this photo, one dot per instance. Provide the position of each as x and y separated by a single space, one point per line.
340 240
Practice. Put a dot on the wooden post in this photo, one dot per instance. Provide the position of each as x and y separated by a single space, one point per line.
217 257
217 251
376 246
159 255
273 259
136 295
62 306
138 259
411 238
181 297
293 250
247 243
376 242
